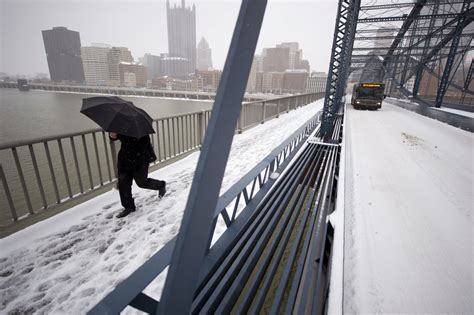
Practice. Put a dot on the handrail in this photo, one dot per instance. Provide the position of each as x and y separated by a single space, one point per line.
67 164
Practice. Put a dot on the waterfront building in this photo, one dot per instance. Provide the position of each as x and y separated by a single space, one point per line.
204 55
276 59
316 82
95 62
294 81
182 33
153 65
115 57
176 67
63 52
210 79
132 74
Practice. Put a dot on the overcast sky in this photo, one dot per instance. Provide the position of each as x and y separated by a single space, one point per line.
141 26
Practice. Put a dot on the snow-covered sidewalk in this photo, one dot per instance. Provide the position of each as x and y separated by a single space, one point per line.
66 264
409 214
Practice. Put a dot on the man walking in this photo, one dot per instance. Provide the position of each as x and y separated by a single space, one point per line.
132 164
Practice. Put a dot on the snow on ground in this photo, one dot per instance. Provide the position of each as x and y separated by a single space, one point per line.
66 264
409 242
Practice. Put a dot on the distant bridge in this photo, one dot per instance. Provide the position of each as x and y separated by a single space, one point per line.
123 91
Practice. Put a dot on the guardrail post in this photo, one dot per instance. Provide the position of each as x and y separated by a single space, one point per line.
113 153
264 112
22 180
241 119
7 192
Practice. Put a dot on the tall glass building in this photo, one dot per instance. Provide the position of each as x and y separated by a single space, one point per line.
63 51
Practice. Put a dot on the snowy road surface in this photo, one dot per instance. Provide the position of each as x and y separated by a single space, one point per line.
409 214
66 264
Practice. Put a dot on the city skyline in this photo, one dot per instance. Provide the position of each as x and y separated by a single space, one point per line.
15 47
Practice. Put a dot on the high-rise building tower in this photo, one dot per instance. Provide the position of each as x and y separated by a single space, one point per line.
63 51
96 65
204 55
182 32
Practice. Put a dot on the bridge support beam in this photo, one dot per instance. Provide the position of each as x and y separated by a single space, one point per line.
443 85
344 33
197 225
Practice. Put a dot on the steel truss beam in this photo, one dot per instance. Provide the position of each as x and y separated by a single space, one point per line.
374 30
466 36
404 18
466 15
443 85
372 38
343 40
404 5
467 82
414 14
196 228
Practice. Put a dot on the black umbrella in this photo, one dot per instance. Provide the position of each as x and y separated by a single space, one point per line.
114 114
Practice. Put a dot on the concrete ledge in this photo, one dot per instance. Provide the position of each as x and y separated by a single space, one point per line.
455 120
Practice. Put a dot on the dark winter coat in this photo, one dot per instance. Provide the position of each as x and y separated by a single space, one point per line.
134 153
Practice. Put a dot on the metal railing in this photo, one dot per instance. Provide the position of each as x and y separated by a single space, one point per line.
45 172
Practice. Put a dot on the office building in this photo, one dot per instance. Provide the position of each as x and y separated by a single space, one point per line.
204 55
316 82
276 60
63 52
182 33
115 57
176 67
295 53
210 79
272 82
294 81
132 75
96 65
153 66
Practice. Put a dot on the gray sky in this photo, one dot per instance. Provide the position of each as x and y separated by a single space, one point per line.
141 26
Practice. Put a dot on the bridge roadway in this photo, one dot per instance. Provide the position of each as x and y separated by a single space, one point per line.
408 214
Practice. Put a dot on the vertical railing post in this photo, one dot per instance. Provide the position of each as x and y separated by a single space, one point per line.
113 153
22 180
264 112
38 177
8 194
241 120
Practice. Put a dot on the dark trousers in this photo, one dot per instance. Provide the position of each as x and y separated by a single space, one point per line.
125 179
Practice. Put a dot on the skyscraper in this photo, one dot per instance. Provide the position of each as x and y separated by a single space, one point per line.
63 52
204 55
182 32
96 66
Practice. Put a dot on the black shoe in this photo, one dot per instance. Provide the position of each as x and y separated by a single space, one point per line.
124 213
162 190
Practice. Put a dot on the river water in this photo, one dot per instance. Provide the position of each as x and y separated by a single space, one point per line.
35 114
27 115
